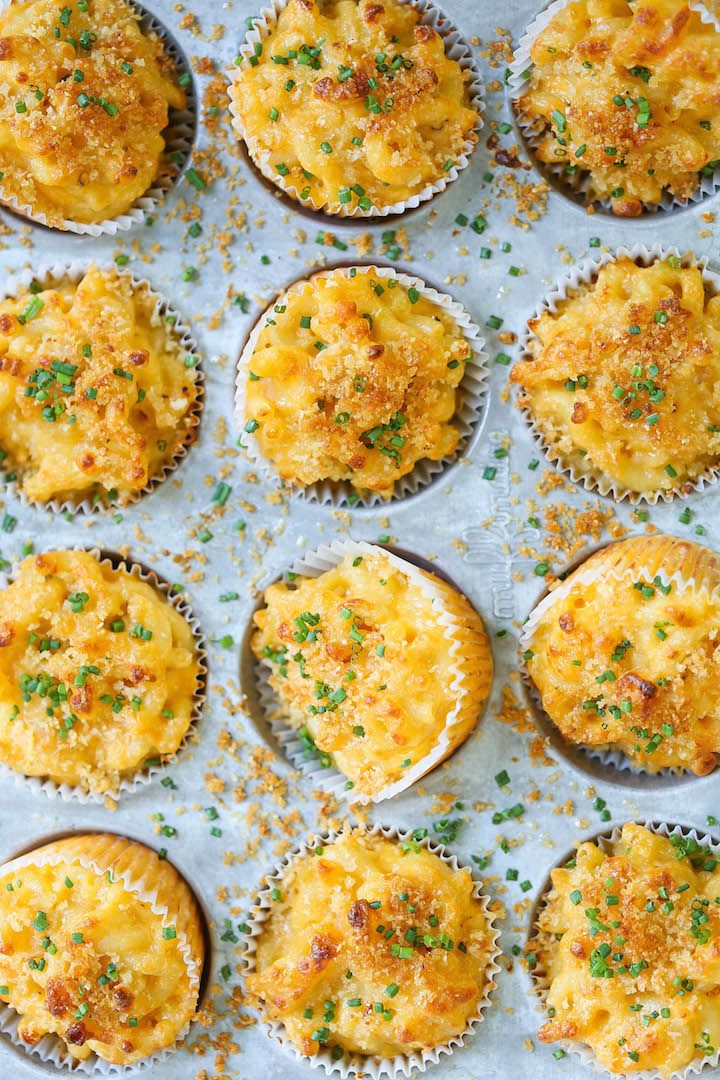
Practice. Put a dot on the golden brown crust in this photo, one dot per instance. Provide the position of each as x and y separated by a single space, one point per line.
84 99
96 394
366 671
427 966
373 114
98 672
628 945
626 656
624 380
354 378
627 94
84 958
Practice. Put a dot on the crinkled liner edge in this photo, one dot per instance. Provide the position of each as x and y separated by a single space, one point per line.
49 1049
178 137
74 270
141 779
330 779
472 391
579 184
585 273
584 575
406 1064
456 49
540 983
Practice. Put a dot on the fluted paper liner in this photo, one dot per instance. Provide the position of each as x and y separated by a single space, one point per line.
153 881
682 563
179 137
74 270
582 275
403 1065
468 647
541 982
471 392
455 49
145 775
577 184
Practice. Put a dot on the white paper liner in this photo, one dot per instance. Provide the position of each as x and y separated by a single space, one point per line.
609 757
145 775
577 186
329 778
471 392
179 137
74 270
541 984
51 1049
405 1064
455 49
585 273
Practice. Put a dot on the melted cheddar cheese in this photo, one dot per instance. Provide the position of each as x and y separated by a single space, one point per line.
97 395
353 103
402 921
354 378
365 669
84 99
624 377
628 942
84 959
631 660
626 94
98 672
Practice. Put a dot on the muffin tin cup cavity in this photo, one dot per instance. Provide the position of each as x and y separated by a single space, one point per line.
576 187
585 273
359 1066
165 314
471 392
145 776
541 982
101 855
455 48
459 723
606 764
179 138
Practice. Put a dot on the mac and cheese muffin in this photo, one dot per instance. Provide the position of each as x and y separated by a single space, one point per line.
97 394
627 949
354 377
625 653
98 672
624 96
101 945
623 378
85 96
382 668
353 105
373 947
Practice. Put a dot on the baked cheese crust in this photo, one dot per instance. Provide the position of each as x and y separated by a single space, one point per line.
628 942
372 947
626 94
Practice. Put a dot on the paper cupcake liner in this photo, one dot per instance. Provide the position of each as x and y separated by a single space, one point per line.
585 273
635 559
143 777
179 138
472 672
455 49
577 186
541 982
403 1065
74 270
152 881
472 392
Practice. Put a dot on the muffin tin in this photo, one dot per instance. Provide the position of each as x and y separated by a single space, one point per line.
234 806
